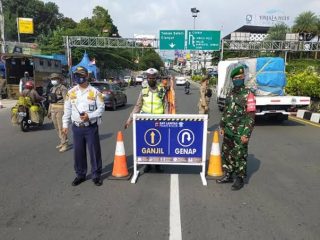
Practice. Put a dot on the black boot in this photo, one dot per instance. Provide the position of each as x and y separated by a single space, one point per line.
238 184
227 178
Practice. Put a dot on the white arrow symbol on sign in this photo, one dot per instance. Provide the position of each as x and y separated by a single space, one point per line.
191 40
172 45
188 136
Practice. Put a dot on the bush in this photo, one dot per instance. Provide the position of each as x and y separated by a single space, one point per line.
212 80
305 83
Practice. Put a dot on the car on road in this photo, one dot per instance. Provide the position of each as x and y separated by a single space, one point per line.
128 79
139 79
114 95
181 80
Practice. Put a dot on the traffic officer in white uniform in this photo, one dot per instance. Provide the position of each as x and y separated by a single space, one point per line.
83 107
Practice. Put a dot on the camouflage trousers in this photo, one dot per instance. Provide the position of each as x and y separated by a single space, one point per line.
234 155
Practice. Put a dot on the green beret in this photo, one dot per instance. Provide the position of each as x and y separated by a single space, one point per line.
237 71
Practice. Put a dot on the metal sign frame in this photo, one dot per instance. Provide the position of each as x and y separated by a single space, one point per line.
171 117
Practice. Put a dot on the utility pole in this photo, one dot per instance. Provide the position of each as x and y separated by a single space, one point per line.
3 42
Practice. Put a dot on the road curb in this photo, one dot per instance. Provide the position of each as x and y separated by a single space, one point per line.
307 115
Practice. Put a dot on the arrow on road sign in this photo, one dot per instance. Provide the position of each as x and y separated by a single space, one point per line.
191 40
172 45
152 137
183 136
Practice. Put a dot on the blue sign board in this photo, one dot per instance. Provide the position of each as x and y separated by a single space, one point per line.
169 138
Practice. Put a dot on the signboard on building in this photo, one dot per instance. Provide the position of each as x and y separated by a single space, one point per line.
269 18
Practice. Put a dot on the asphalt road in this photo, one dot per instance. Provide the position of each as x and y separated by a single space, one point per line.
280 200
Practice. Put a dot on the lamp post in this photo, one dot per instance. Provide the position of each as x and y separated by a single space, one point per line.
194 12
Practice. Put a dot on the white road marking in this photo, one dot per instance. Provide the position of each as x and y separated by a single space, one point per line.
175 219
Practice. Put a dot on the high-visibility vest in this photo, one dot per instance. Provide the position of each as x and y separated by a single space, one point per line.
152 102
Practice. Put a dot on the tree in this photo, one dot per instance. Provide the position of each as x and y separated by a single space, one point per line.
278 32
45 17
150 59
307 24
103 23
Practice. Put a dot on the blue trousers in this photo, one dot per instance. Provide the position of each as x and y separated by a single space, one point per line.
83 136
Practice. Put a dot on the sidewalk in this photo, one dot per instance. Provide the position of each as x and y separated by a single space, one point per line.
7 103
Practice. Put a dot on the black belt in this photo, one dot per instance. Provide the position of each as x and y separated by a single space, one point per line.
84 124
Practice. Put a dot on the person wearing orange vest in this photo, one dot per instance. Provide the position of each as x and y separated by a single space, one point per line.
151 100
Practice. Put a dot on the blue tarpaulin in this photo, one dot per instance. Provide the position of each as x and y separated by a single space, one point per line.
270 74
85 62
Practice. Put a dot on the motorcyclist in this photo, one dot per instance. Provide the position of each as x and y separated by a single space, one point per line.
22 84
37 110
29 91
187 87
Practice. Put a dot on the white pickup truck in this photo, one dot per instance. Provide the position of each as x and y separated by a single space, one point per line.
279 107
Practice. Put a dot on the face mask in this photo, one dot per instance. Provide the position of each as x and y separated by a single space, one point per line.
152 83
238 82
80 79
54 82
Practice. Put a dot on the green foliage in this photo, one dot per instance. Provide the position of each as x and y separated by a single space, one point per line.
305 83
212 81
306 22
196 78
296 66
150 59
45 16
278 32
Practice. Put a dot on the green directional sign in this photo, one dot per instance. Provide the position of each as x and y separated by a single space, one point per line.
172 39
203 40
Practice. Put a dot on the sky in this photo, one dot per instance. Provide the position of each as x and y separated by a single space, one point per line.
150 16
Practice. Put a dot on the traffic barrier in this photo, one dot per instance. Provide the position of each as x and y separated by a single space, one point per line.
215 165
120 169
307 115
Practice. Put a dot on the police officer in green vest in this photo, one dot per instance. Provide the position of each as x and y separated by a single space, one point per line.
151 100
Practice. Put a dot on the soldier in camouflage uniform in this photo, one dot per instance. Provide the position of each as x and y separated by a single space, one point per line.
236 126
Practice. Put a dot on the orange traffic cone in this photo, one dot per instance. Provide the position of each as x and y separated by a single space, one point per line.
215 166
120 169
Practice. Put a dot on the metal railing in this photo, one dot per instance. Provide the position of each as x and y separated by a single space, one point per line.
109 42
290 46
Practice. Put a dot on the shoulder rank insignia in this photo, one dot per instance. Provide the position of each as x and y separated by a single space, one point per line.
91 95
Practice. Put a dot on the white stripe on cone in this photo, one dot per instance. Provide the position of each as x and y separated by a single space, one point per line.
215 150
120 149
